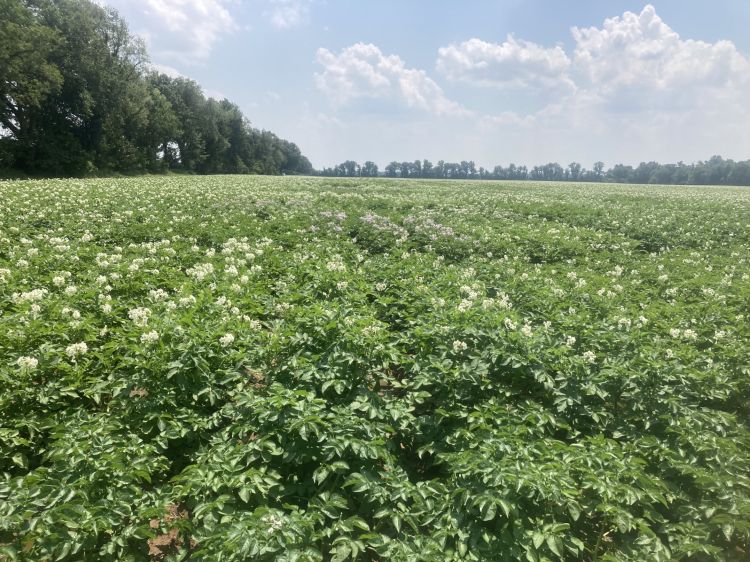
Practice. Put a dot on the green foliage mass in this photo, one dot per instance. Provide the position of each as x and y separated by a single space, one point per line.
235 368
77 98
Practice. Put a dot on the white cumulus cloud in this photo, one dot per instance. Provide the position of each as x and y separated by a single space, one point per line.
363 71
185 31
287 14
635 90
632 63
512 63
637 62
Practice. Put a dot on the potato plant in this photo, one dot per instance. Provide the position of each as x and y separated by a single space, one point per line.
252 368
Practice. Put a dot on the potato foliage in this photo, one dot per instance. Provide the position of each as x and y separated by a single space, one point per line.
251 368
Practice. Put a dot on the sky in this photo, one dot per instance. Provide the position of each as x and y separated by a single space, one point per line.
528 82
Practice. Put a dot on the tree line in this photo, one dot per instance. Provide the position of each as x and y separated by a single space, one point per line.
77 97
714 171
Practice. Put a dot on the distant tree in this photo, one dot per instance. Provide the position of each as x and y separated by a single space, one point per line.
599 170
663 174
620 173
681 173
352 168
718 170
642 174
369 169
574 171
739 174
452 170
550 172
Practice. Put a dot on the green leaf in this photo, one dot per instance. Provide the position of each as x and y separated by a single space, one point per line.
578 543
320 475
360 523
20 459
555 544
537 539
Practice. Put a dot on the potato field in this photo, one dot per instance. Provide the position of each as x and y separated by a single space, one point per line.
239 368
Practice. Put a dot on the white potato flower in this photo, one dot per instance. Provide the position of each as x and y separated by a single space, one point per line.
459 346
139 316
27 363
150 337
76 349
690 334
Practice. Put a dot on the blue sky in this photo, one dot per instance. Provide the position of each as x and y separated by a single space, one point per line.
497 82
